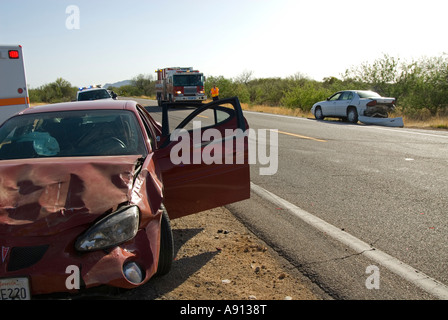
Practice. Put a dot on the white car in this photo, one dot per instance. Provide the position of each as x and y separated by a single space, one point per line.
353 104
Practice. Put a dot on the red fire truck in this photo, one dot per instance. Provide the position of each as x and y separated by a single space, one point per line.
180 85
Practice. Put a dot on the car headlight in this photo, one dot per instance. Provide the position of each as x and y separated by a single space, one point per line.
116 228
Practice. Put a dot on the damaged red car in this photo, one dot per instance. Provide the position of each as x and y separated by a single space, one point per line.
87 191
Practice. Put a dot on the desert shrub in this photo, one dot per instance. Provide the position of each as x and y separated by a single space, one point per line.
303 97
58 91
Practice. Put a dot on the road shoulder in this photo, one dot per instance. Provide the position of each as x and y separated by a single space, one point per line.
218 258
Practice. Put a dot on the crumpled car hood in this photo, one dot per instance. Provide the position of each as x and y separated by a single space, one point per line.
41 197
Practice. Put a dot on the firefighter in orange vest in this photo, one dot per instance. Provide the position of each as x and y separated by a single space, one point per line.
215 92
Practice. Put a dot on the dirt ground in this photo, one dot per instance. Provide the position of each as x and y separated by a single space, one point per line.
218 258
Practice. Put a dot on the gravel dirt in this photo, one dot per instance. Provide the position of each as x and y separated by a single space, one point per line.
218 258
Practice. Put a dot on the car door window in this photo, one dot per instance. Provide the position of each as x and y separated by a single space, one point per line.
340 105
350 96
215 115
346 96
343 96
208 117
204 159
335 97
209 126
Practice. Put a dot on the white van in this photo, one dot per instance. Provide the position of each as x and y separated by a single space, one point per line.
13 91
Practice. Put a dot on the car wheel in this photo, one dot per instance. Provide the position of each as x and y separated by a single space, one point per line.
352 115
318 114
166 253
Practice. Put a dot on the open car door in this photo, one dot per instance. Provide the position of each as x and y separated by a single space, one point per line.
204 160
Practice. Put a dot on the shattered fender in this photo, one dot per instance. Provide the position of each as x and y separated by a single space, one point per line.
45 204
41 197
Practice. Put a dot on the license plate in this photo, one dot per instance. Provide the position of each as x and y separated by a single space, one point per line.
15 289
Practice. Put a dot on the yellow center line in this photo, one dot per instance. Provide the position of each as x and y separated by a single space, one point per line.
202 116
302 137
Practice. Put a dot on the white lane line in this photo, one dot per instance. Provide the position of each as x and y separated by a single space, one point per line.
409 131
430 285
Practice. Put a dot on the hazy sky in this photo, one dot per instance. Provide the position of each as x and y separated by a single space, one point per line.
117 40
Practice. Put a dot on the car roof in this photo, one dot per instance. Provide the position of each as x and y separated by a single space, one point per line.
356 91
83 105
359 91
91 89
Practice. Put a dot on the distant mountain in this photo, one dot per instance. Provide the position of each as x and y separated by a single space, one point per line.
117 84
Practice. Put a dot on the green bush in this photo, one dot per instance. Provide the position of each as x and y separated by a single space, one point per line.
305 96
127 91
226 86
59 91
417 85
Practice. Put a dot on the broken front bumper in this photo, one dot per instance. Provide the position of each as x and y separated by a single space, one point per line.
58 268
388 122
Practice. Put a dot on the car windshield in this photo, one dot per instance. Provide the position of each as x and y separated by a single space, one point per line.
368 94
188 80
71 134
93 95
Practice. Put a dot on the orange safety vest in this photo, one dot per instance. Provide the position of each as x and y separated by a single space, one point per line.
215 92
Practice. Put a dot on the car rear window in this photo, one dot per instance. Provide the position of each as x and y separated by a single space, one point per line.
368 94
93 95
71 134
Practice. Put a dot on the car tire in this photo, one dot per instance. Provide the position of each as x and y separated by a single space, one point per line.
352 115
318 113
166 253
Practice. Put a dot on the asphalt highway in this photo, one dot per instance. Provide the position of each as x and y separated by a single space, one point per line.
361 210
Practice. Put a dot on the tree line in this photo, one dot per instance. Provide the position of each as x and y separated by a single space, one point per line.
62 90
420 86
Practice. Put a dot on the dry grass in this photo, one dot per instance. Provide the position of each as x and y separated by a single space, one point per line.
435 122
277 110
425 120
37 104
